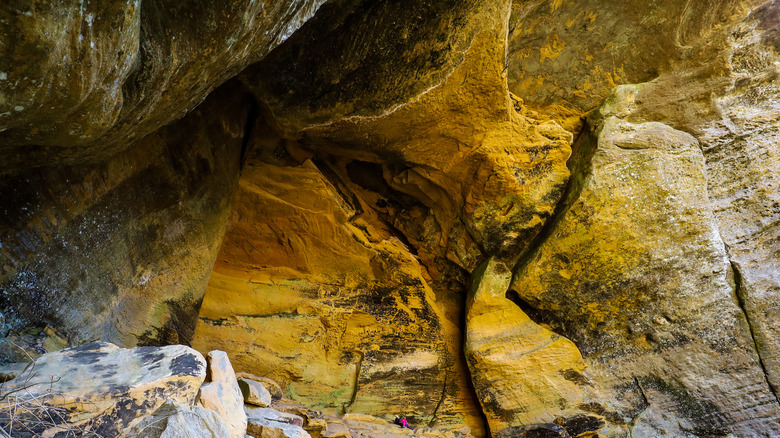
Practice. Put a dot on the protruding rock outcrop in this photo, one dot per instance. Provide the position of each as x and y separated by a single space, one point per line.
523 373
121 250
634 271
80 81
222 394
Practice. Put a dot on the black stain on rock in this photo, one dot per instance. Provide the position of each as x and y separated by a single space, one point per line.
581 424
87 357
542 430
149 355
186 365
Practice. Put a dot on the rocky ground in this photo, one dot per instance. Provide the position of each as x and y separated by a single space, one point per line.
100 390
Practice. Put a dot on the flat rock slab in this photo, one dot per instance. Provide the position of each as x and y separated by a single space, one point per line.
101 388
270 423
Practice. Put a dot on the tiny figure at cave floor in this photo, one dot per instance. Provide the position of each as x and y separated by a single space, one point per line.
405 423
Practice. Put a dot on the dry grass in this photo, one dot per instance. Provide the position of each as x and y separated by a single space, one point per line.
26 411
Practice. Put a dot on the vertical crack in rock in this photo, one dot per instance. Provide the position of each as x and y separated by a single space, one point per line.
645 405
441 398
739 293
356 384
249 128
582 152
472 389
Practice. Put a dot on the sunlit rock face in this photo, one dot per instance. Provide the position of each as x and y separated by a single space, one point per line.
534 218
79 80
324 298
450 138
635 272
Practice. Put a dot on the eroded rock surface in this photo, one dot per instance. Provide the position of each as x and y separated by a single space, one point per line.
177 421
122 250
523 373
635 273
386 163
325 303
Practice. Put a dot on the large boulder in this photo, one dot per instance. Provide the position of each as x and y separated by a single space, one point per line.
635 273
254 393
270 423
99 389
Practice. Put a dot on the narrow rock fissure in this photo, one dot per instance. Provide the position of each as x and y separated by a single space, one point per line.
578 164
471 388
358 368
249 128
739 292
441 399
646 404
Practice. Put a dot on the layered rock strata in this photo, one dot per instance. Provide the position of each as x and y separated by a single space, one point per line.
333 308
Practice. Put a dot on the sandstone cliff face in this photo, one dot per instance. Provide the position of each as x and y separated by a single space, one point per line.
560 215
314 292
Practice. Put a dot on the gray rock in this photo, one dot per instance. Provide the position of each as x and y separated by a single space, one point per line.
222 395
270 423
176 421
254 393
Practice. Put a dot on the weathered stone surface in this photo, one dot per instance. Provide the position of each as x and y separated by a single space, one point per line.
450 139
337 430
80 79
405 164
254 393
522 373
122 250
566 56
331 307
635 273
270 423
223 395
177 421
743 169
728 102
269 384
100 388
11 371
